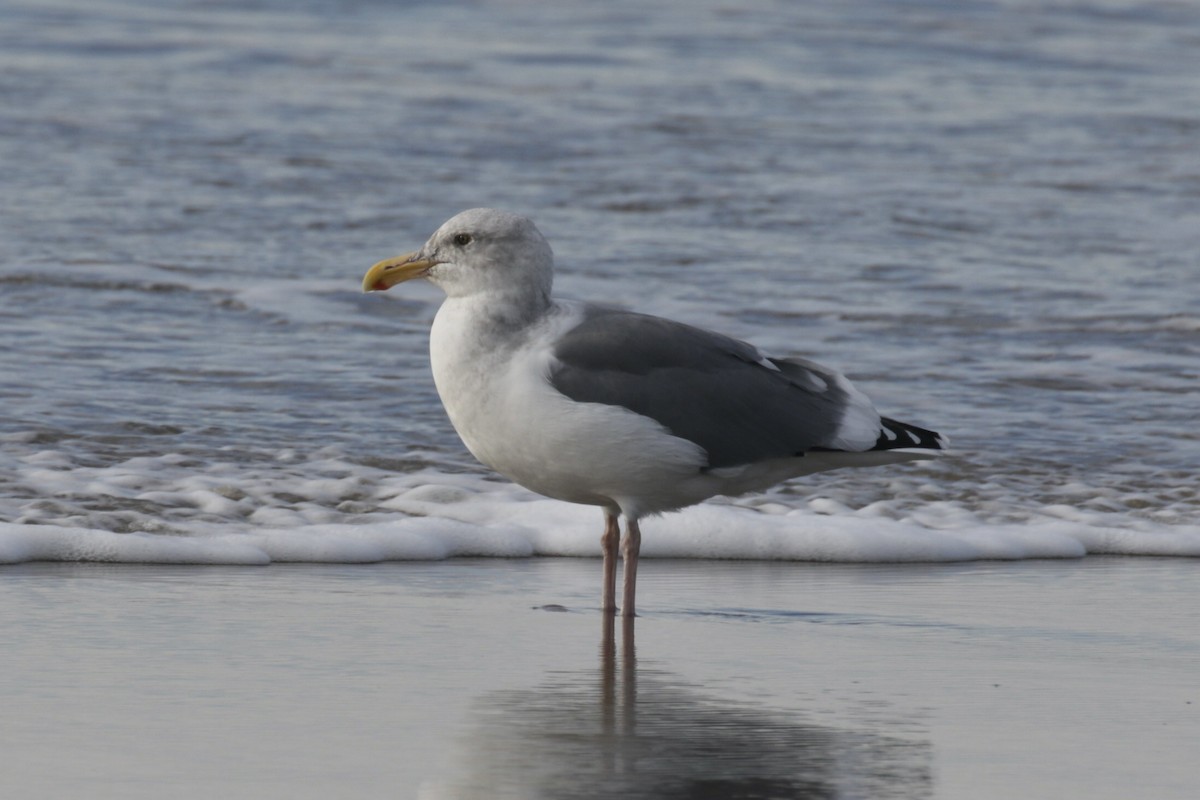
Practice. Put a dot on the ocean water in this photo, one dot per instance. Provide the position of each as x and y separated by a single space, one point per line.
986 213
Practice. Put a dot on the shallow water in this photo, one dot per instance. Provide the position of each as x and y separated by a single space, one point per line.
458 679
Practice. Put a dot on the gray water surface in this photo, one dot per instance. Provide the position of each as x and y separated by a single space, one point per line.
988 214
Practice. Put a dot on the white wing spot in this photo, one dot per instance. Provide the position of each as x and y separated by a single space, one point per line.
763 361
889 434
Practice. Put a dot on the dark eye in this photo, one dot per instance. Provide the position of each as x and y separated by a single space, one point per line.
462 239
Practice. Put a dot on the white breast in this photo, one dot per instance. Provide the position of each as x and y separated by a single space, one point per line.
496 392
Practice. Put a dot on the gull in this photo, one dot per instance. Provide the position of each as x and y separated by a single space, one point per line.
633 413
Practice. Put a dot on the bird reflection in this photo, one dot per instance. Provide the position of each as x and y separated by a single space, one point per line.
633 733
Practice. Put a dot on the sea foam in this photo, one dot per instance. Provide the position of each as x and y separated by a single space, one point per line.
324 506
437 520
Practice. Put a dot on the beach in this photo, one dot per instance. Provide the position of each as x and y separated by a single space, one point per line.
487 678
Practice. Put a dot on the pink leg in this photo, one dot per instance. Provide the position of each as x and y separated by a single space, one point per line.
608 548
629 551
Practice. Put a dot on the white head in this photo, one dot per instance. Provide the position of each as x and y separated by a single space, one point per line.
482 250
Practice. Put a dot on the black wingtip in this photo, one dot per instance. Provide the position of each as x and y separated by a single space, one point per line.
895 435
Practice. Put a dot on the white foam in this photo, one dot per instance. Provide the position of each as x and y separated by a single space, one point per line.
19 543
436 521
321 507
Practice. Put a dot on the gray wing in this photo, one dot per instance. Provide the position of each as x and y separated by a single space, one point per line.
715 391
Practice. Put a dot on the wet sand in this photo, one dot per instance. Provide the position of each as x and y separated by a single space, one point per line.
490 678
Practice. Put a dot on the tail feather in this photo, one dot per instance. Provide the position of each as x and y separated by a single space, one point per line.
895 435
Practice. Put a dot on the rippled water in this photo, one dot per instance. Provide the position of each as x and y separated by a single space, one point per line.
987 214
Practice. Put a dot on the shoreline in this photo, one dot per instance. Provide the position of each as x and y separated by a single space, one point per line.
1064 678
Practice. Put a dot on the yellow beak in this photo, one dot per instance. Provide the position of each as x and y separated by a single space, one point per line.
390 271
